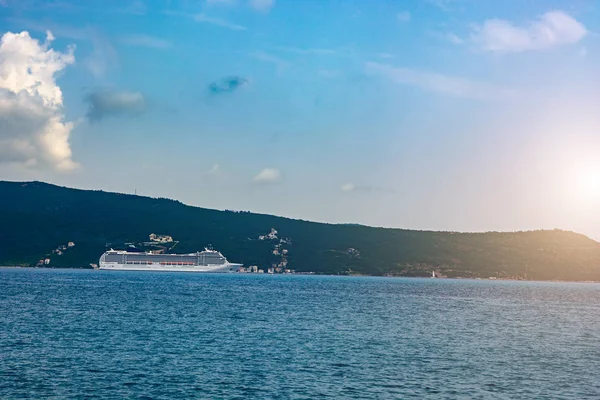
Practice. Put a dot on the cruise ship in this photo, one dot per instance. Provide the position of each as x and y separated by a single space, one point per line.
202 261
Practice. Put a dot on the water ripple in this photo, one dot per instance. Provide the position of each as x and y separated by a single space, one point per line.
97 334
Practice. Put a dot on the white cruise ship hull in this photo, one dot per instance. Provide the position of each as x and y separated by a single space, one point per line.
171 268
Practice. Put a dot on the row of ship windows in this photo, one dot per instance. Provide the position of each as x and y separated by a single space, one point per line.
162 263
189 259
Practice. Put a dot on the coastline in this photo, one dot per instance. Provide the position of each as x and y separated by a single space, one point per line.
317 274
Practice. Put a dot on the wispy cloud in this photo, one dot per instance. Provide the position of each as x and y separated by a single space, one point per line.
46 5
142 40
221 2
448 37
308 51
262 5
214 169
203 18
453 38
104 56
435 82
227 85
354 188
445 5
551 29
329 73
403 16
279 62
136 7
218 22
258 5
267 176
61 31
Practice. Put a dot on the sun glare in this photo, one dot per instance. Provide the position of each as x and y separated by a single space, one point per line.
588 183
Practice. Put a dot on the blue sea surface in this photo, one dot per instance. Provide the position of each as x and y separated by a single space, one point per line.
106 334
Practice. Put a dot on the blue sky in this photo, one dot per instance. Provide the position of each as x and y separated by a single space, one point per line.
457 115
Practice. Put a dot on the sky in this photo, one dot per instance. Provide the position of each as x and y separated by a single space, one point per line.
453 115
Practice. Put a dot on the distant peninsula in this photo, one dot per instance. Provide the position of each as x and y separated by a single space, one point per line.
50 226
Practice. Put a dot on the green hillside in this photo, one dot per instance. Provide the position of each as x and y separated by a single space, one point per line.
36 218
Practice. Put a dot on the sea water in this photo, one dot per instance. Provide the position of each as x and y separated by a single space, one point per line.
108 334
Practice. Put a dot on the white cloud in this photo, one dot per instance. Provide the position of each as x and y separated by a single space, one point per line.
103 56
218 22
351 187
348 187
455 86
141 40
403 16
33 130
553 28
262 5
267 176
214 169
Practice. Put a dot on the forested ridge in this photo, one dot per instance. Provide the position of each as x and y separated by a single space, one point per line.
37 218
